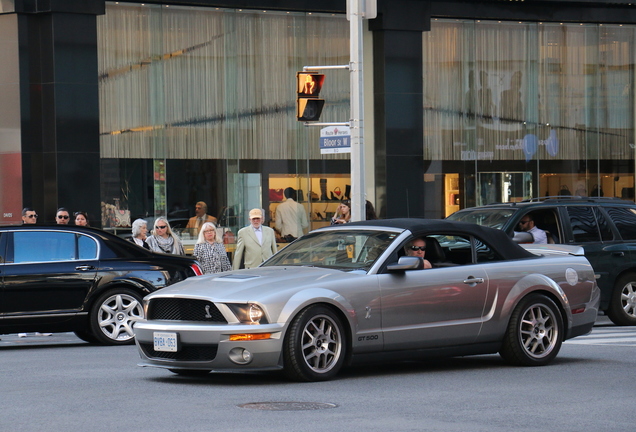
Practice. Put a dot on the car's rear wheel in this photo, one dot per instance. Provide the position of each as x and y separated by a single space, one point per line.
114 314
622 307
535 332
315 345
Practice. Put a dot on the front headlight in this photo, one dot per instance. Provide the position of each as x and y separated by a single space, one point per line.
250 313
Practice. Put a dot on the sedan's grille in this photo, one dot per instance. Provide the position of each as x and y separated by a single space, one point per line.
180 309
186 353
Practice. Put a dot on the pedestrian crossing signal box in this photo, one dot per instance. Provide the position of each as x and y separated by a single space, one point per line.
308 105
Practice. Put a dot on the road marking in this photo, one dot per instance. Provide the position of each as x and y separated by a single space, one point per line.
617 336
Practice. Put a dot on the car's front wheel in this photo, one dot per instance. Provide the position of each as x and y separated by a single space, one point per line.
113 316
622 308
535 332
315 345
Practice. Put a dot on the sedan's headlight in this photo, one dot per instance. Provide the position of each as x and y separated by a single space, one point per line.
250 313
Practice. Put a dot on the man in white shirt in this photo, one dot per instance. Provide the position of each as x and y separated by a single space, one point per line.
291 218
527 224
255 243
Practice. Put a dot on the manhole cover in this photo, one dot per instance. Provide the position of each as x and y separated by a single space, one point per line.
288 406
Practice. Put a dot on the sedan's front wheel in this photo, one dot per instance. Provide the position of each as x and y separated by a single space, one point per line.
113 316
535 332
315 346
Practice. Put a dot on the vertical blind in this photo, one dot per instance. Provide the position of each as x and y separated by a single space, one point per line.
515 91
210 83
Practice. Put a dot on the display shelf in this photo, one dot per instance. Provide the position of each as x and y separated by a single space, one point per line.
320 211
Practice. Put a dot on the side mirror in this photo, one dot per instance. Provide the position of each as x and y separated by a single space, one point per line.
406 263
522 237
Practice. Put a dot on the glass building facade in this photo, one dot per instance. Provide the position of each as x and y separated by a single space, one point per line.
198 104
516 110
140 110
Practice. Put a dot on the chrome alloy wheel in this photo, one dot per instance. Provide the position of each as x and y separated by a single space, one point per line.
628 299
117 316
538 332
321 343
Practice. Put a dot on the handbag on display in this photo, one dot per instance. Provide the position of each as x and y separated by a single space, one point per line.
565 190
337 192
597 191
276 195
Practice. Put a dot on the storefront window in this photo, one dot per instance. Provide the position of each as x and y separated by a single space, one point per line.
198 104
525 110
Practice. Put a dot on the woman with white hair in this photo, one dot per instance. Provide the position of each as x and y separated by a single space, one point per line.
139 232
163 240
210 252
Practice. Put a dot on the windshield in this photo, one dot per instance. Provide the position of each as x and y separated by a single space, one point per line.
493 218
340 249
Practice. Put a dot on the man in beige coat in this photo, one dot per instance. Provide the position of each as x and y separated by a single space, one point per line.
255 243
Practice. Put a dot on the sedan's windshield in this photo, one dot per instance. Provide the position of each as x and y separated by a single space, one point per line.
339 249
493 218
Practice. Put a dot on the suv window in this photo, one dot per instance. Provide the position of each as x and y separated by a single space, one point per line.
625 221
603 225
47 246
585 227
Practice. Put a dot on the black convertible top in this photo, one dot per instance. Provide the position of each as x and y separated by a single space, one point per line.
496 238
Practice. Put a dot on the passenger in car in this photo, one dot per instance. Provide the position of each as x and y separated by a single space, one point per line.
527 224
417 247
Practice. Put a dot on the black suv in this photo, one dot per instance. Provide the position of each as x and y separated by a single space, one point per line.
63 278
604 227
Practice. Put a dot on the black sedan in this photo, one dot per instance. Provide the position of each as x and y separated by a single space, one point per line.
69 278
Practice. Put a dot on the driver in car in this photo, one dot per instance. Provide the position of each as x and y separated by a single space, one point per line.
417 248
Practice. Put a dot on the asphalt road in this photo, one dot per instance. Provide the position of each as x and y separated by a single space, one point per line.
59 383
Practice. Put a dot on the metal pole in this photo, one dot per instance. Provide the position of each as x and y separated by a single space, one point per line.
358 205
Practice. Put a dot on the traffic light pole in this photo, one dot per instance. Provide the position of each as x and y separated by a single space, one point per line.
357 11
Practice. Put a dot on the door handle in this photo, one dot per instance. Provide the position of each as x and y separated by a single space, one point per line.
618 254
473 280
84 268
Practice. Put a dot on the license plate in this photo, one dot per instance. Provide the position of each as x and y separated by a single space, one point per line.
165 341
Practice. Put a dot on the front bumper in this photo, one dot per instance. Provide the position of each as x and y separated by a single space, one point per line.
208 347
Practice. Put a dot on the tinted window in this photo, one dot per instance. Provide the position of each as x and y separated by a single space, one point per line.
583 223
625 221
87 247
603 225
43 246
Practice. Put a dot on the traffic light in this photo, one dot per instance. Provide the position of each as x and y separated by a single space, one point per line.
308 105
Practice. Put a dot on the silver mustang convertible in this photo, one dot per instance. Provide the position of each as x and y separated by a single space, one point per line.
353 293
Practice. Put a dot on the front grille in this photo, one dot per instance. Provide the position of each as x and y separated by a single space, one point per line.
179 309
186 353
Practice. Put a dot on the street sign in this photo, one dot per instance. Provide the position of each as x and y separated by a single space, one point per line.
335 139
